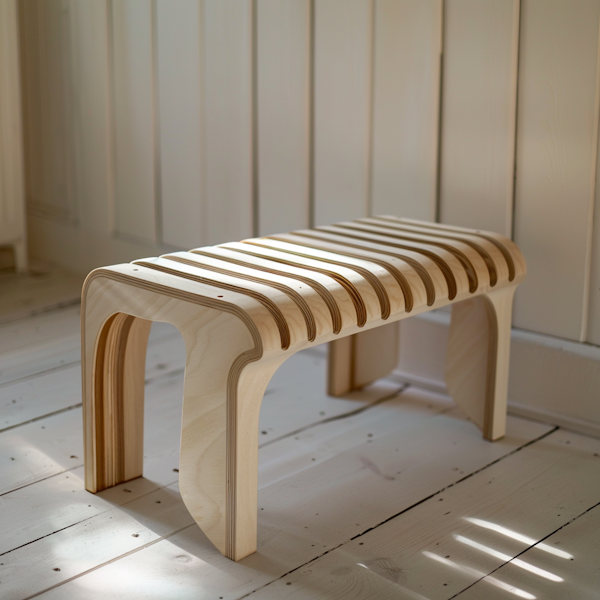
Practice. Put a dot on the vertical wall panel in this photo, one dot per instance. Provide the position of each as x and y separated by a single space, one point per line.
92 174
478 113
342 79
12 192
556 143
46 55
406 107
179 52
228 101
283 64
133 71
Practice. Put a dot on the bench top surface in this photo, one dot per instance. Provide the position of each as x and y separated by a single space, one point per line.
316 283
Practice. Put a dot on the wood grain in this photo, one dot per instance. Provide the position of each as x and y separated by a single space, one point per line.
239 325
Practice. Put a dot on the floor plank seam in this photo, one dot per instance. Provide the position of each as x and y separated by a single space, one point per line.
535 440
45 309
164 375
340 417
107 563
78 466
35 419
39 373
89 518
585 512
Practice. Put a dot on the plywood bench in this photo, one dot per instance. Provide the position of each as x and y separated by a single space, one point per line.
244 308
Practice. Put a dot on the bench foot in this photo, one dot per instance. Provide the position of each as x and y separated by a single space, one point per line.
218 470
359 359
477 358
117 416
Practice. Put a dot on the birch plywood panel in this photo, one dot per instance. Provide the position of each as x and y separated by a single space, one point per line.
342 79
227 34
133 83
405 107
180 71
478 113
283 98
556 159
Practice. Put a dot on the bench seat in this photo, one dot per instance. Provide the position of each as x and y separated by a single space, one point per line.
243 308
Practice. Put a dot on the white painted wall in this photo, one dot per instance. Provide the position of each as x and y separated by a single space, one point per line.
12 193
153 125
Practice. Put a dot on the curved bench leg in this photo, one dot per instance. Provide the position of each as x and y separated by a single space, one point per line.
113 378
359 359
218 470
477 358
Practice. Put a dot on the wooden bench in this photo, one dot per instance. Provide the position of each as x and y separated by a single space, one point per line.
244 308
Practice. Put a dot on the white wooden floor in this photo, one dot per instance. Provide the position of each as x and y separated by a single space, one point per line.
388 493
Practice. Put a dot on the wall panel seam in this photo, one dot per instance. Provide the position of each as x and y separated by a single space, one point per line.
158 216
510 231
371 116
440 97
311 116
593 183
254 116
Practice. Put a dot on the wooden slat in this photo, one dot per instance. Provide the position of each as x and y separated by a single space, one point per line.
478 113
452 540
556 142
179 79
227 35
405 107
134 118
283 96
342 80
340 460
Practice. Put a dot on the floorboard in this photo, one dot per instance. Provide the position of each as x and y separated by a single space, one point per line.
366 469
574 574
389 492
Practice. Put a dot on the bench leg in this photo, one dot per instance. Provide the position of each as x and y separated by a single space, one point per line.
113 376
359 359
218 470
477 358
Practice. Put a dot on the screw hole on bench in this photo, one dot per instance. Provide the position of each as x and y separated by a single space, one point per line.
219 296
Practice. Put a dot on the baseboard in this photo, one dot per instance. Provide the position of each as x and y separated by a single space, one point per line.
514 408
551 380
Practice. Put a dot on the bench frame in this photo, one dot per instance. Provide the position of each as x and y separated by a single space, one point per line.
232 350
